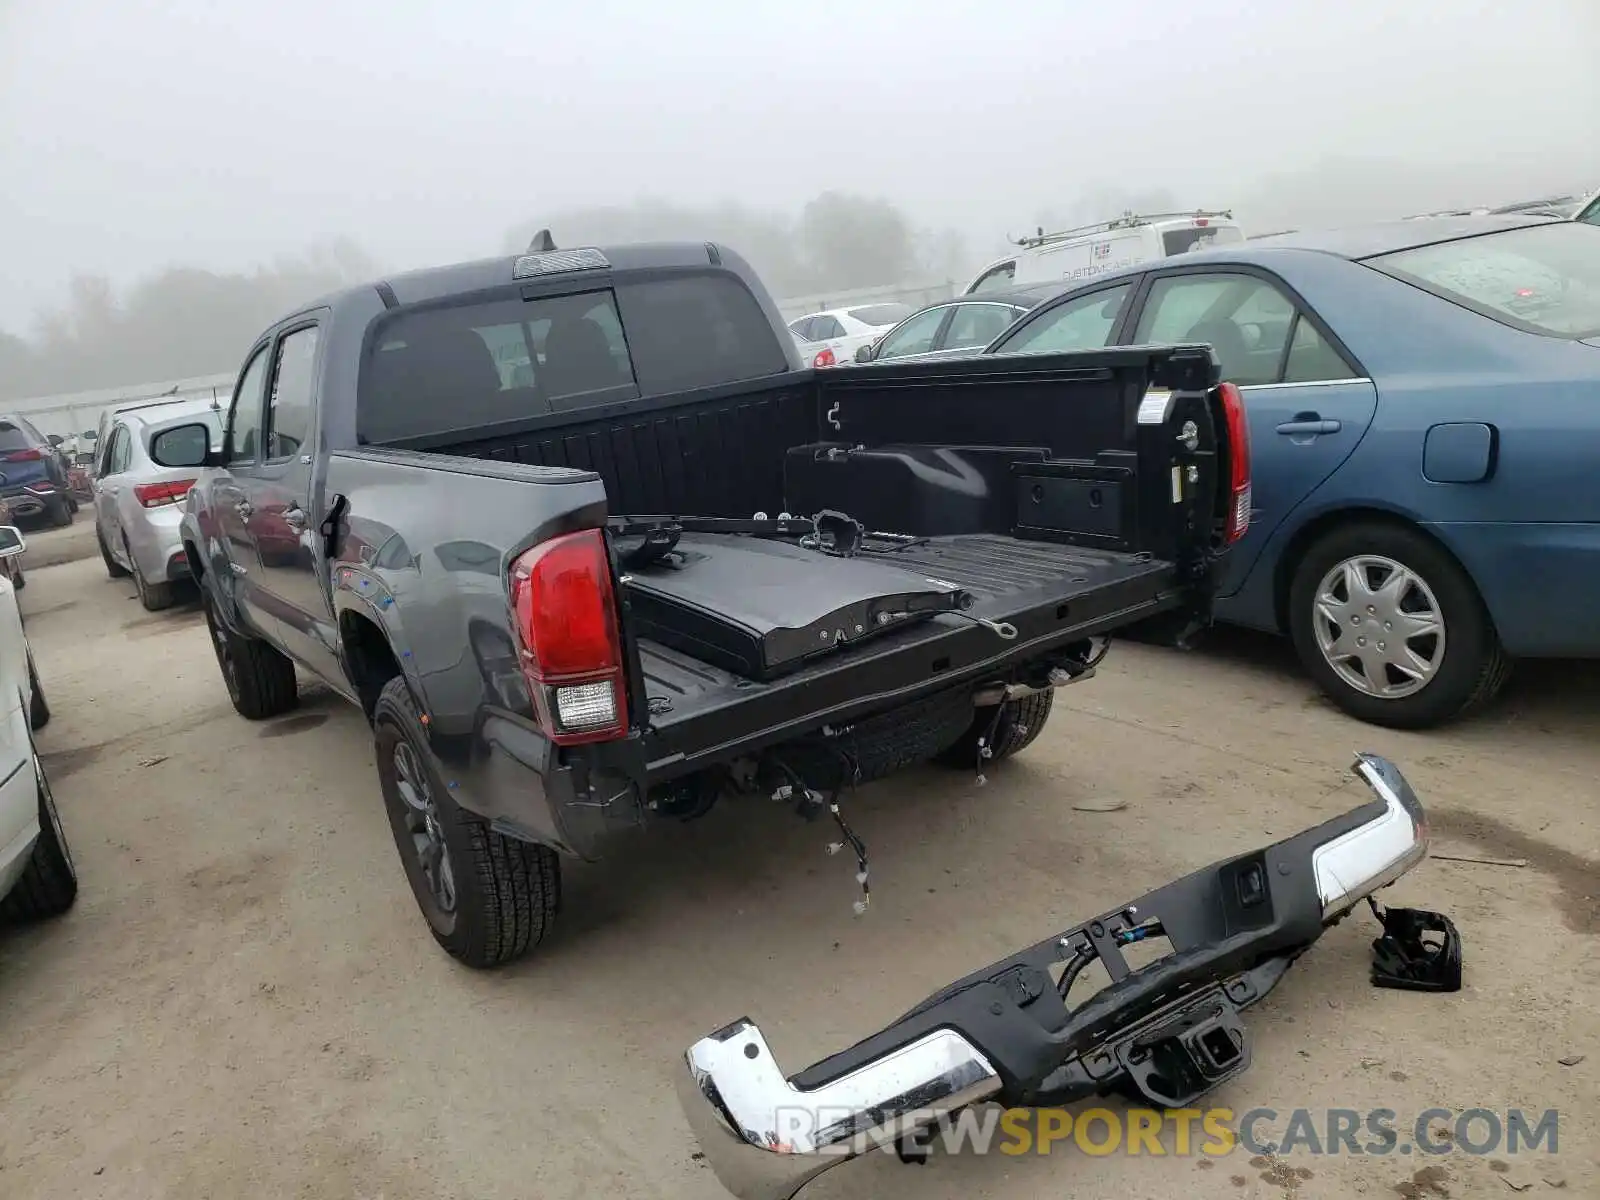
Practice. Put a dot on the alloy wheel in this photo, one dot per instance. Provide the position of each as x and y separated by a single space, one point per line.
224 649
423 823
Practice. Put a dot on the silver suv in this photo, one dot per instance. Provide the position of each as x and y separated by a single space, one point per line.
137 504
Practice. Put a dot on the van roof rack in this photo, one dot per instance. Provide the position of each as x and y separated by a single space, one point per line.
1127 220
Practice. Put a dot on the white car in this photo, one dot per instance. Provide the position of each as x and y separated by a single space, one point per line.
829 338
37 877
1076 255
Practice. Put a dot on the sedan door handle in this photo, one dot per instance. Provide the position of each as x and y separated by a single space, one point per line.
1308 428
295 515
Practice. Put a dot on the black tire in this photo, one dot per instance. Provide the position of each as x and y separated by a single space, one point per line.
503 894
49 884
1021 721
38 707
72 505
61 512
154 597
1470 667
113 568
259 678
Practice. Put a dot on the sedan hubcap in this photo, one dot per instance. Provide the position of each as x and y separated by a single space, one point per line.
422 822
1379 626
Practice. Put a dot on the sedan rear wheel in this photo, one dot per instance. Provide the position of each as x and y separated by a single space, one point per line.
1393 629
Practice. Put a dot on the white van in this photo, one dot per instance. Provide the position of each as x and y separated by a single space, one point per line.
1090 250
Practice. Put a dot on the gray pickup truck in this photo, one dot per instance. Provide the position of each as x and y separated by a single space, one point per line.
533 515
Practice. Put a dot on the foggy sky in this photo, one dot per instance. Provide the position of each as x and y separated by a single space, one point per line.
136 135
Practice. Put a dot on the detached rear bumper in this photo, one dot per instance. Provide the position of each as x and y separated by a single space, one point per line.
1169 1032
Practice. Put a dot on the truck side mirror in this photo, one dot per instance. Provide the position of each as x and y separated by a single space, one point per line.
864 353
55 439
182 446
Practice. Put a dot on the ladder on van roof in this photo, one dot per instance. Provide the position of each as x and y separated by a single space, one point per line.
1127 220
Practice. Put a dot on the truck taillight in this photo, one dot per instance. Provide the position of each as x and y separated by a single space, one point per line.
565 616
1237 520
154 495
25 456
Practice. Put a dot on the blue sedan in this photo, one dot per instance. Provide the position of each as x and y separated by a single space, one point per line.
1424 405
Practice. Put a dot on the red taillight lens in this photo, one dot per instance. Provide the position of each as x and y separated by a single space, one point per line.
824 358
1237 521
154 495
25 456
566 622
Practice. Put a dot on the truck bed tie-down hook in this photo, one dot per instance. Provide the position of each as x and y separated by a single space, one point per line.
1004 630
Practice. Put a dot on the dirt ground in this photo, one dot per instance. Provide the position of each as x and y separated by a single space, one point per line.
246 1003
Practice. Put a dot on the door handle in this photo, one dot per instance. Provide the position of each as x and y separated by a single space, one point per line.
1308 427
295 515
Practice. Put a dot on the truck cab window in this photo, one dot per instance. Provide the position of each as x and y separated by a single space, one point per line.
698 331
244 418
289 411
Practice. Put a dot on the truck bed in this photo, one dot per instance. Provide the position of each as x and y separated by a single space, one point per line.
1054 595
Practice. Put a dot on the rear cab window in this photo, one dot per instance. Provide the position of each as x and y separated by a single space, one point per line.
435 370
1543 279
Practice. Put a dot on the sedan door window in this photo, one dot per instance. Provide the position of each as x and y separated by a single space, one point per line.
1084 323
1243 318
121 451
912 336
1311 358
973 326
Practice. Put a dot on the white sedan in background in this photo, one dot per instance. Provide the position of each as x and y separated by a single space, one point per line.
829 338
37 877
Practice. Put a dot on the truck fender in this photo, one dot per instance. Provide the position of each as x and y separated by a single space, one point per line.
209 567
371 659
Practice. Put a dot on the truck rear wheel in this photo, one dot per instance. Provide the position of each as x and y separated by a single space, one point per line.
260 679
488 899
1020 722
